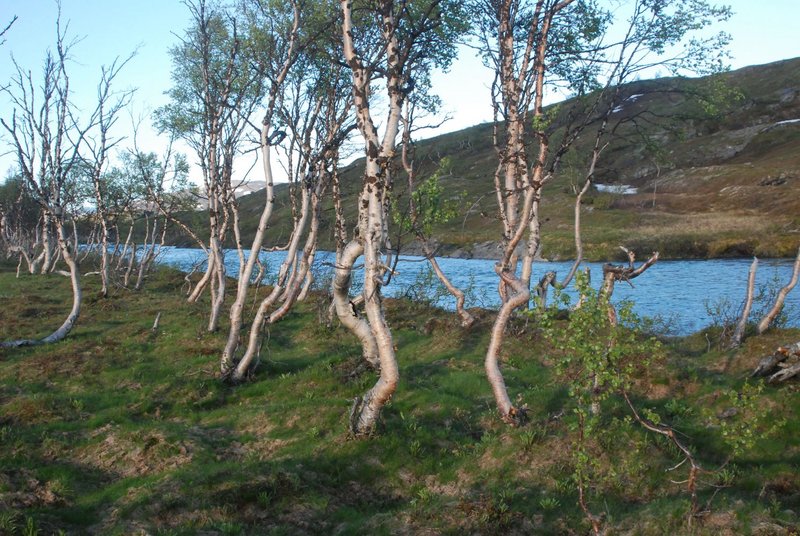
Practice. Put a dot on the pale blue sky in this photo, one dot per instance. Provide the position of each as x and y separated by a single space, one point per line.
762 32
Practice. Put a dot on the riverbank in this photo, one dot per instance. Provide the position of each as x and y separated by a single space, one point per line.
121 429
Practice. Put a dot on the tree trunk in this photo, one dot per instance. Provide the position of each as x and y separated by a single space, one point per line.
148 255
125 246
104 260
202 283
345 311
131 262
77 296
246 272
367 410
254 339
777 307
517 297
466 318
578 240
738 333
47 261
218 281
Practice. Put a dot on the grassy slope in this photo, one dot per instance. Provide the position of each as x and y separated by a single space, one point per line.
118 430
729 185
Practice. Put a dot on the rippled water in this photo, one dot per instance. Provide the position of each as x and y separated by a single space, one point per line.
677 291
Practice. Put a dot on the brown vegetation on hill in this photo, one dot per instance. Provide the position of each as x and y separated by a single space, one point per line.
715 161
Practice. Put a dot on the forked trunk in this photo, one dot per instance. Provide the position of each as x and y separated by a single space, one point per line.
261 317
345 310
466 318
367 409
246 271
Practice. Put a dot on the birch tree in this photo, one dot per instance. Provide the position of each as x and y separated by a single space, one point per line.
315 111
397 42
541 46
279 49
98 149
20 224
217 85
517 39
48 136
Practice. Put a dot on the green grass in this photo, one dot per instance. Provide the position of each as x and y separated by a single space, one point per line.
118 430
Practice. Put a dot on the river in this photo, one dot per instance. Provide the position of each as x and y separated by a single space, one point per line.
679 293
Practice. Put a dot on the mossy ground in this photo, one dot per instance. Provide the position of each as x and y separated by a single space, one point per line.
119 430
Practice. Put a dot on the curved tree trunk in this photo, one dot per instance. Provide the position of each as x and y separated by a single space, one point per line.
246 272
367 409
345 311
254 339
777 307
466 318
77 297
202 283
518 297
308 282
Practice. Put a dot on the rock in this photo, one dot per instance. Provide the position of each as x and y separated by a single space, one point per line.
774 181
788 95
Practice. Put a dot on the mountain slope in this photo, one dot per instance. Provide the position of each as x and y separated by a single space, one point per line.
714 161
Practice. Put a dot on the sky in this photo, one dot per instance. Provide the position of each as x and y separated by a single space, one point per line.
762 32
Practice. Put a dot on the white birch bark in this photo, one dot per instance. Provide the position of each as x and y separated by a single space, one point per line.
372 210
741 325
777 307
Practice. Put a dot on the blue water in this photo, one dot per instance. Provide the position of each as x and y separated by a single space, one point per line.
678 292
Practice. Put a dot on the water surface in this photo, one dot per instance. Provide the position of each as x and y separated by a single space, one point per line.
679 291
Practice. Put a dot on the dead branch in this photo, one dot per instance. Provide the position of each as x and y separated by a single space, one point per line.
781 365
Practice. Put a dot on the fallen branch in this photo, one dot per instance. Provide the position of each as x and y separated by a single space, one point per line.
782 365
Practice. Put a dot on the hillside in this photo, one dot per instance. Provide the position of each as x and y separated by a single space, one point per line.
715 163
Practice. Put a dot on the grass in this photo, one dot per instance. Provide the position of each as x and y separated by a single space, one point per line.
118 430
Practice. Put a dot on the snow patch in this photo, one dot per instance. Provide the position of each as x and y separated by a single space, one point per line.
624 189
632 98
